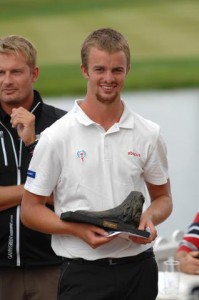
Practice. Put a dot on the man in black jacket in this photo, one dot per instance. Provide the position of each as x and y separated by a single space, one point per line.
29 269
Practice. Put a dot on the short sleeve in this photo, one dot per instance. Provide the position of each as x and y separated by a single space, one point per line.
156 168
44 169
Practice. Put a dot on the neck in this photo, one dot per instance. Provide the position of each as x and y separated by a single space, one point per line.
105 115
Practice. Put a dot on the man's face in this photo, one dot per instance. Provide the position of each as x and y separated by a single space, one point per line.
105 74
16 79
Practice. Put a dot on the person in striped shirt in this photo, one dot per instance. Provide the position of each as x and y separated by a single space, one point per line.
188 251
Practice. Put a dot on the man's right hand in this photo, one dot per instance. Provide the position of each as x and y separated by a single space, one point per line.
24 122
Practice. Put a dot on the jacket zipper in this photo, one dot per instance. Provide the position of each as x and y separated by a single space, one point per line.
4 149
18 209
18 183
18 206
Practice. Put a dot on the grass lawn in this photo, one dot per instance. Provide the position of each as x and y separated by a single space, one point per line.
163 36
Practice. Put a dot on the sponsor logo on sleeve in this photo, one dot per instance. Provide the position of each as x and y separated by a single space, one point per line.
31 174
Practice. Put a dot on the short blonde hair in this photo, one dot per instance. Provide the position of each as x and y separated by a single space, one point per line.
18 44
106 39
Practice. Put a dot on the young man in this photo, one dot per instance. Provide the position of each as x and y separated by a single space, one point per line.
188 250
112 152
29 268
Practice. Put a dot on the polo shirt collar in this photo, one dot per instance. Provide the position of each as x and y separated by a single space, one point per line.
126 120
80 114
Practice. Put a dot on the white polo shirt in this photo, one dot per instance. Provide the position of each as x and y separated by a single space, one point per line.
89 168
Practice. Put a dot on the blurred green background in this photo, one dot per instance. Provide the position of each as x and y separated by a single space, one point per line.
163 37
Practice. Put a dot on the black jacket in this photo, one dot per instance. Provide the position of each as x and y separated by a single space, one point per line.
20 246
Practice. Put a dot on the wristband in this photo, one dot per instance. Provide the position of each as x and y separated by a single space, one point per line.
31 147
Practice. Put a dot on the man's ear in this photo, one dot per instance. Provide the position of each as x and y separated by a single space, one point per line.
84 71
35 74
128 69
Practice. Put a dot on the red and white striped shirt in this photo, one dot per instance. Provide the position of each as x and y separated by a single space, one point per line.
190 241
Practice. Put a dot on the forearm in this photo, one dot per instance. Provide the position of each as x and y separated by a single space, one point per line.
161 203
160 209
36 215
10 196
